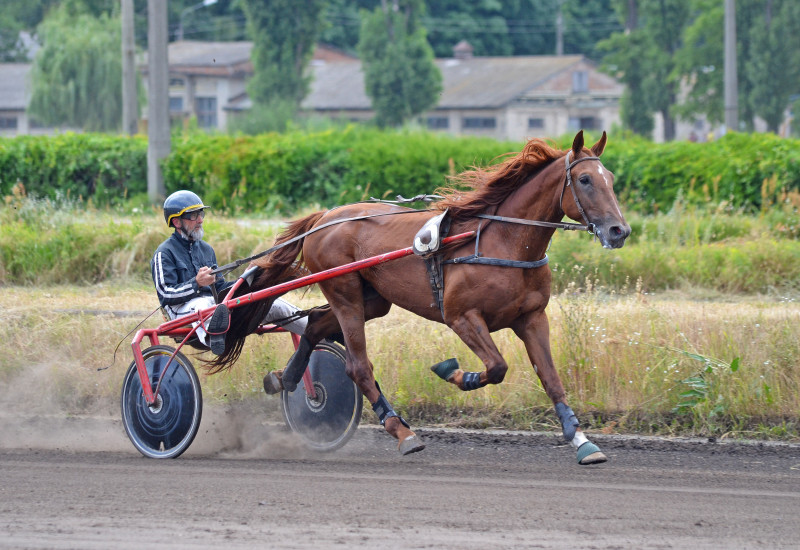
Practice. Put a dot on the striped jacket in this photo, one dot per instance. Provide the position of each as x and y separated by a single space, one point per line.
175 265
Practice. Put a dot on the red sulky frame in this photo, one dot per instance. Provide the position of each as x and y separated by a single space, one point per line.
181 326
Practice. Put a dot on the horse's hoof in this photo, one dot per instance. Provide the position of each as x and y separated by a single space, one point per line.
446 368
589 453
411 444
272 383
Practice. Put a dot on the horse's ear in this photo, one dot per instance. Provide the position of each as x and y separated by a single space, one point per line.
600 146
577 144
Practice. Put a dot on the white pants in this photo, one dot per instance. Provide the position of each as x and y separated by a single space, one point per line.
279 310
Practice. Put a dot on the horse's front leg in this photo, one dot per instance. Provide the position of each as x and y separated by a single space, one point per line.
534 331
472 329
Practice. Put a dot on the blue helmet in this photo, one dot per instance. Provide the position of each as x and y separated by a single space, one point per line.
179 203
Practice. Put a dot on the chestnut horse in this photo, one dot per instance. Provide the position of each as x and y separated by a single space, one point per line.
478 299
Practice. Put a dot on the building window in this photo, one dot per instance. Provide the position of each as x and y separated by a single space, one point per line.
480 123
8 123
583 123
535 123
176 83
206 112
580 82
175 104
438 122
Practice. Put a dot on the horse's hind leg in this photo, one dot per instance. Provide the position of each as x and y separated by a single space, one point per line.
322 323
535 333
344 293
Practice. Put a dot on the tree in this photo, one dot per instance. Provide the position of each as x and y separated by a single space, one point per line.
772 68
481 23
650 47
77 73
399 73
284 34
636 109
768 40
16 17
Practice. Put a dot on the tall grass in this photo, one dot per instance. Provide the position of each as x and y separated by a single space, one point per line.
630 362
67 241
691 328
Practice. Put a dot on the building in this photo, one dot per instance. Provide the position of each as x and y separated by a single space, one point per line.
499 97
207 79
14 99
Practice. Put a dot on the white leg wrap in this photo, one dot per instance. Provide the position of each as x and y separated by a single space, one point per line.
579 439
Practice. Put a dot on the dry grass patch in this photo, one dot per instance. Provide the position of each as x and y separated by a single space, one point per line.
630 363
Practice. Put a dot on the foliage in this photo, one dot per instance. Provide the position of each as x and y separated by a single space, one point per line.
643 57
105 169
399 73
77 74
773 68
280 173
482 24
284 36
686 248
283 172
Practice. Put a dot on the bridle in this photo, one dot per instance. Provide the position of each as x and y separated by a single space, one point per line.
586 226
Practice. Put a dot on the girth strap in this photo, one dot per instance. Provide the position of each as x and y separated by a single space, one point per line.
477 259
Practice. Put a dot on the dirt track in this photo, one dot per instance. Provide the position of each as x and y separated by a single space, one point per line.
247 484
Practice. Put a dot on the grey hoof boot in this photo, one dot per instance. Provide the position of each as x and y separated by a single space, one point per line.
411 444
273 383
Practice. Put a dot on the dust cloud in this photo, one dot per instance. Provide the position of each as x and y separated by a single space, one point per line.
35 414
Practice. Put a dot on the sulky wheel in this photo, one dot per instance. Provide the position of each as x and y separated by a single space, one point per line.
329 421
166 428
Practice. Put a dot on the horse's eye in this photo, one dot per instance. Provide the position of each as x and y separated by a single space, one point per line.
585 179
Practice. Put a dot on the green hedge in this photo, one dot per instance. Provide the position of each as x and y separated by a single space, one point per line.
97 166
284 172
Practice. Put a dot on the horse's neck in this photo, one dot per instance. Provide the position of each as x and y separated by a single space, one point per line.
538 200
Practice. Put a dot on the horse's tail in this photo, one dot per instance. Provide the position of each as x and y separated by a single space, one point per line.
276 268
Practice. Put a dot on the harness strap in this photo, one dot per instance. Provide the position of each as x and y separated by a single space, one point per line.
498 262
233 265
478 258
522 221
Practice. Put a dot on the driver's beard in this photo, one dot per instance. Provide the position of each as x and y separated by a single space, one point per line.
194 235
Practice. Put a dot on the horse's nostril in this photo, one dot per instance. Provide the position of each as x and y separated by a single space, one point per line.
615 231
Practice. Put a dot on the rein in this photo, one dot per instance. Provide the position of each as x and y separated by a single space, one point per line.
521 221
233 265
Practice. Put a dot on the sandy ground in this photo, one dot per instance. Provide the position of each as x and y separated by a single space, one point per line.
246 483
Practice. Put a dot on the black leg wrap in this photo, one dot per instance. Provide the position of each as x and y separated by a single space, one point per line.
294 370
471 381
569 422
384 410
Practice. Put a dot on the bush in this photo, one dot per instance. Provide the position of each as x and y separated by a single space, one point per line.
103 168
281 173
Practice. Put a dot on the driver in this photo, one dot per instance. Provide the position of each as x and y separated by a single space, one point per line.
182 273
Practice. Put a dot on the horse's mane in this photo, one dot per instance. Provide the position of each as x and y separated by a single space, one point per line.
486 187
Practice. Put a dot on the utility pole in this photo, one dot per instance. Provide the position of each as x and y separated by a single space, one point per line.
158 138
130 100
560 30
731 80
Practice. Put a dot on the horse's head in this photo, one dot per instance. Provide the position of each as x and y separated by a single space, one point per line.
592 199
